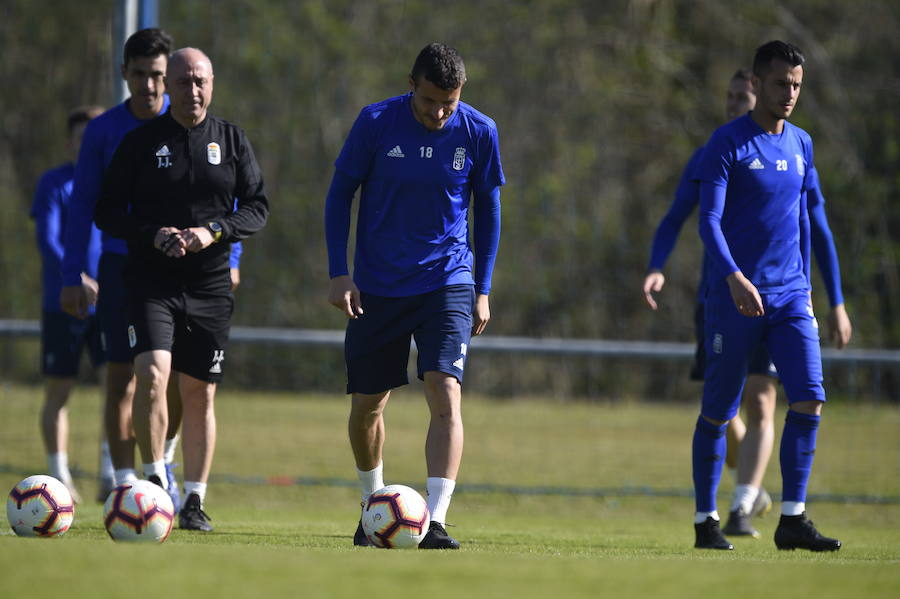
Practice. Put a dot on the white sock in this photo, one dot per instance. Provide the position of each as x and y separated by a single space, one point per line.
106 466
440 491
371 480
58 465
732 472
159 469
124 475
193 487
171 445
793 508
744 496
700 517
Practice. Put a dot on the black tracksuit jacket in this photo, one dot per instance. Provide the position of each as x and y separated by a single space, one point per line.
165 175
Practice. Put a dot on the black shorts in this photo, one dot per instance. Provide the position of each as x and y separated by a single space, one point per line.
760 361
111 313
63 338
192 324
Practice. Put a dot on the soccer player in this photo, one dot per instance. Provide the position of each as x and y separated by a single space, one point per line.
755 173
419 158
756 438
63 337
170 191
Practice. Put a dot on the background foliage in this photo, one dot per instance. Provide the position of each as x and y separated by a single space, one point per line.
599 105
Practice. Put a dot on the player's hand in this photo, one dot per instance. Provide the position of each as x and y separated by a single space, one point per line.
482 314
235 278
653 282
839 327
196 239
343 294
91 288
168 240
746 297
73 300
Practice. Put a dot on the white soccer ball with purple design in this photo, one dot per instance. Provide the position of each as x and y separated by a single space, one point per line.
395 517
139 511
40 506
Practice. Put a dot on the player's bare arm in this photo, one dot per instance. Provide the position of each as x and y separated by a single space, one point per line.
653 283
839 327
746 297
235 278
482 313
343 294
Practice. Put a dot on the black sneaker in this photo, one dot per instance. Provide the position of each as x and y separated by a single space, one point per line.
437 538
359 537
709 536
798 532
192 516
739 525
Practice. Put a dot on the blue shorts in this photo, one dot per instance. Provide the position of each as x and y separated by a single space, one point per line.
111 311
63 338
790 332
760 361
376 346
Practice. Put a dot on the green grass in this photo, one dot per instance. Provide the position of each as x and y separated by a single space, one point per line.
295 540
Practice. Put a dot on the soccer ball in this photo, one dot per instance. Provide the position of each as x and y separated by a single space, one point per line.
40 506
395 517
139 511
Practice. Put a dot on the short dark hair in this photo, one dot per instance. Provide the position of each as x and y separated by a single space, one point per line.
147 43
441 65
80 115
743 73
773 50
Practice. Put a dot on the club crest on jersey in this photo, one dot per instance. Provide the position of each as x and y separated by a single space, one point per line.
163 156
800 168
132 336
459 159
213 153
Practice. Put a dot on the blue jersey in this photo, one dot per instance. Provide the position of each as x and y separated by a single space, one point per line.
753 215
50 212
687 197
412 228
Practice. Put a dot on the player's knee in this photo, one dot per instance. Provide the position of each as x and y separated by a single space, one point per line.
812 407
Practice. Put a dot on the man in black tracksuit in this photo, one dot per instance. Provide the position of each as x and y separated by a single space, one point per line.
170 191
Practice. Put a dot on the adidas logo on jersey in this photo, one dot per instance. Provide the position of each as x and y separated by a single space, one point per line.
756 165
396 152
460 363
163 151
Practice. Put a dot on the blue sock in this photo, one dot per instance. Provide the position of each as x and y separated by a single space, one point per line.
798 447
708 456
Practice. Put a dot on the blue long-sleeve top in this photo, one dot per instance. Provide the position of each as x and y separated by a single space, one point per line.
687 198
50 211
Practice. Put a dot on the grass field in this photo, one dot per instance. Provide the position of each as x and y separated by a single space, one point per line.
538 539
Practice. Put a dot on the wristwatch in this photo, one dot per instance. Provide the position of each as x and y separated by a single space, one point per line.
216 229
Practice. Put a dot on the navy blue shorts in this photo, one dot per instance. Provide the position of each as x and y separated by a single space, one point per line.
376 346
193 325
63 338
760 362
111 312
790 332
